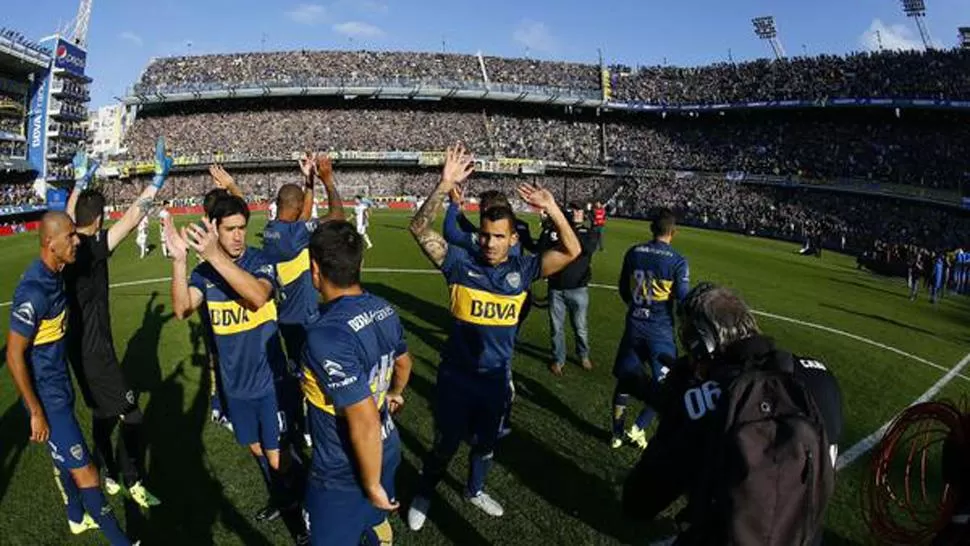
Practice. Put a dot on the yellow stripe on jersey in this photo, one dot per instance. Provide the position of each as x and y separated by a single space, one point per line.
660 290
314 394
384 533
52 329
228 317
291 270
485 308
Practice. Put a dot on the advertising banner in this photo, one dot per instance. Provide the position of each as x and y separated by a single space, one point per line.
70 57
37 124
56 199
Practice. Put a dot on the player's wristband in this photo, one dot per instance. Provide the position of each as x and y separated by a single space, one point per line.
81 184
158 181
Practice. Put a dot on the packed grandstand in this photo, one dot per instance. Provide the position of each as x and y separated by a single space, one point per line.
793 148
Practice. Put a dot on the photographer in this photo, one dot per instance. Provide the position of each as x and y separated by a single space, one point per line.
569 290
746 429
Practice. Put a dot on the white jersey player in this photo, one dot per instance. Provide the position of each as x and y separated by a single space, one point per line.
141 237
362 214
271 211
162 215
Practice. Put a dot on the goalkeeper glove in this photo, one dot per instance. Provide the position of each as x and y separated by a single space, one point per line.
163 164
84 170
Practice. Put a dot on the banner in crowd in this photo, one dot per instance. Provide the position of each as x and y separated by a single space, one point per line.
37 124
20 209
734 176
56 199
848 102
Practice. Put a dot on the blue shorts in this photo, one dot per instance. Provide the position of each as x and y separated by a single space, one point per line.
469 406
68 448
644 345
257 421
341 517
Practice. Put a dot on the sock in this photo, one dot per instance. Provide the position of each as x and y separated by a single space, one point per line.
129 452
645 418
379 535
264 469
478 466
620 402
99 510
273 481
70 494
102 429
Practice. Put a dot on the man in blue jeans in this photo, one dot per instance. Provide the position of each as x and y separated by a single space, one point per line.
569 291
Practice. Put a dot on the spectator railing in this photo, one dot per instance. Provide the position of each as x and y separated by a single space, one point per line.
392 88
36 57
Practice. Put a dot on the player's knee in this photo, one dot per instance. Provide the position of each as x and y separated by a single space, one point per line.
256 449
86 476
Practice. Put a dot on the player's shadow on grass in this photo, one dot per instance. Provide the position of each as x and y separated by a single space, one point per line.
140 363
432 313
881 318
857 284
193 499
14 431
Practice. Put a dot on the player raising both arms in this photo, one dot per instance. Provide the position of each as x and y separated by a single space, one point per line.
91 347
356 367
487 292
236 283
36 357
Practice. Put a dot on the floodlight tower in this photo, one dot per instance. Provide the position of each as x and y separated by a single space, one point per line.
964 37
917 10
764 28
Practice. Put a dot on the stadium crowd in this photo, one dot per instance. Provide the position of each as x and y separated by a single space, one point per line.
934 74
18 194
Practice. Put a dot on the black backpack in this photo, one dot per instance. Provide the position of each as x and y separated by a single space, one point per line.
772 475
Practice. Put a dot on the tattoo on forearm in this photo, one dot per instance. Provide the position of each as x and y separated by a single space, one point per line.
144 204
425 215
433 245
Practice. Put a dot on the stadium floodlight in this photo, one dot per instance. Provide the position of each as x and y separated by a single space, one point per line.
917 10
764 28
964 37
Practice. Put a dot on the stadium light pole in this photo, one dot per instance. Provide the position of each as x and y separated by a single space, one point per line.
764 28
964 37
916 9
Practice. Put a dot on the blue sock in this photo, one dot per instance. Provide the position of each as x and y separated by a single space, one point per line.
98 509
620 402
478 466
645 418
70 494
265 470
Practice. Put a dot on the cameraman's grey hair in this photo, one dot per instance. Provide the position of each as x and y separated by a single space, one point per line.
728 314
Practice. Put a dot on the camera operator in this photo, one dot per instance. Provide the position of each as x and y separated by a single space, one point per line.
746 430
569 290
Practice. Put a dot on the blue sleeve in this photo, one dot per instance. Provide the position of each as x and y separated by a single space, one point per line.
263 269
311 225
682 279
27 310
196 279
333 358
455 235
401 346
626 291
531 267
454 258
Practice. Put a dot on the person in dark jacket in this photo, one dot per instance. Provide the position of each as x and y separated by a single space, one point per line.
687 402
569 291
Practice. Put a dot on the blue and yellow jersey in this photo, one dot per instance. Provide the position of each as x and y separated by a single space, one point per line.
485 303
39 313
249 348
654 276
351 348
287 244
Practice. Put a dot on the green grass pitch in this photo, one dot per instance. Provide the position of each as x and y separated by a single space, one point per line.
555 474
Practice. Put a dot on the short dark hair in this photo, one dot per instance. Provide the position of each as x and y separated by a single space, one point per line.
663 222
210 199
226 206
496 213
90 205
492 198
338 251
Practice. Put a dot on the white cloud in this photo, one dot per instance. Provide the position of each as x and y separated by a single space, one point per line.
535 36
307 14
368 6
130 36
358 29
893 37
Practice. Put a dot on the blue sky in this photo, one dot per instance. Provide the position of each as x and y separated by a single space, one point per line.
125 34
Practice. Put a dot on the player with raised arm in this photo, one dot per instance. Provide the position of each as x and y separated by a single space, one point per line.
487 292
236 284
285 242
653 278
90 343
356 366
36 357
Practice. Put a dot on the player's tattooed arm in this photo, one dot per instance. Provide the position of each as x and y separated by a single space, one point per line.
459 164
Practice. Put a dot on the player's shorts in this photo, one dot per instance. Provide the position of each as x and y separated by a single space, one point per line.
103 385
66 442
361 229
643 345
470 405
257 421
341 517
140 241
